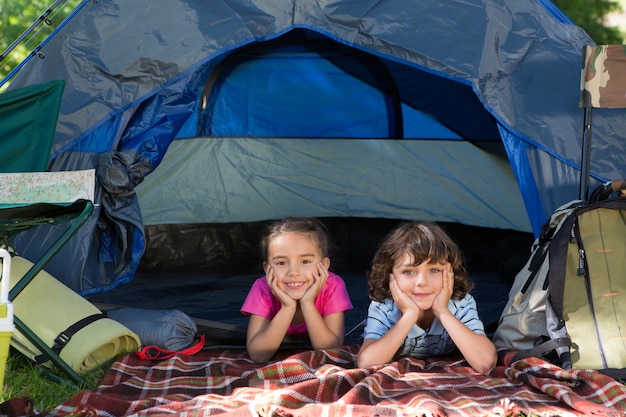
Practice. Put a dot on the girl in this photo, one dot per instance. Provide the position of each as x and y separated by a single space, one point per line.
297 295
421 304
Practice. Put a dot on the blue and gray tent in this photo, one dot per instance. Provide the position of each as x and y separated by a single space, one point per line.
234 111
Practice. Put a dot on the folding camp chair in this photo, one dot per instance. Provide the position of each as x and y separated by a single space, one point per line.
602 85
28 119
15 218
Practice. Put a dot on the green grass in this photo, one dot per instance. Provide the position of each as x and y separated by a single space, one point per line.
45 387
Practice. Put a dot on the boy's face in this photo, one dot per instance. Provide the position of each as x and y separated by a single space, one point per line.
422 282
294 258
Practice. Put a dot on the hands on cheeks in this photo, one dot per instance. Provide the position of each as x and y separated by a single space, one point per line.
441 301
400 298
272 281
320 275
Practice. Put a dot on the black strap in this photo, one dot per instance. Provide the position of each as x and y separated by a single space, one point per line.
64 337
542 349
615 373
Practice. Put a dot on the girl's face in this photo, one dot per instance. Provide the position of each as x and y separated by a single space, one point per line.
294 258
422 282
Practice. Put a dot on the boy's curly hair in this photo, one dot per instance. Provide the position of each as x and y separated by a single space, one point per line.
424 241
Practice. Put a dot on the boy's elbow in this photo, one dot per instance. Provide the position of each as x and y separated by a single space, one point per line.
364 361
483 369
485 366
361 363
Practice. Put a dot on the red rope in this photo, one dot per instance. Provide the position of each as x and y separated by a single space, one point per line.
155 353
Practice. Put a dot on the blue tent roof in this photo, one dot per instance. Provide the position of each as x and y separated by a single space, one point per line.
503 76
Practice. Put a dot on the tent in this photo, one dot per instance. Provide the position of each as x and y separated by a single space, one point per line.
236 112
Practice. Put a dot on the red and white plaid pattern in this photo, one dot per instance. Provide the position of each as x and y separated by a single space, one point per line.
327 383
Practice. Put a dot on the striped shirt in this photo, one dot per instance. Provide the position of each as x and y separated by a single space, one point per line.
422 343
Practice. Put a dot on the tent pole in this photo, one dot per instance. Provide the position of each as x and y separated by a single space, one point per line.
585 160
36 23
43 17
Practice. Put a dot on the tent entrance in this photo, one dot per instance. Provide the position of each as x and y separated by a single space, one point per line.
306 88
206 270
305 85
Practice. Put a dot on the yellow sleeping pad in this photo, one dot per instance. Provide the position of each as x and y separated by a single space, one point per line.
49 308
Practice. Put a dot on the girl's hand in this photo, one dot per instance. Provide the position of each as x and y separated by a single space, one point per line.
441 301
272 281
402 300
319 279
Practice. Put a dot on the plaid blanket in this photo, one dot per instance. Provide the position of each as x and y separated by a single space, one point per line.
328 383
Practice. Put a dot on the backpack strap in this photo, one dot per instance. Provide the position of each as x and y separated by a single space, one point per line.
604 191
542 350
618 374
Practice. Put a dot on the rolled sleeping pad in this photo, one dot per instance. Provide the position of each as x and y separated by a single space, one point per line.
48 308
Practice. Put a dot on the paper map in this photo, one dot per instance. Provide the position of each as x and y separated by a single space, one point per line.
47 187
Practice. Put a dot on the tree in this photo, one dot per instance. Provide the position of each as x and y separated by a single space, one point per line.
17 17
590 15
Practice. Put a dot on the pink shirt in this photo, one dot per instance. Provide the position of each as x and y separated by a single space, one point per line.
332 299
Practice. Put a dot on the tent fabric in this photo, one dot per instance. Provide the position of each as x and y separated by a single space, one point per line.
502 76
255 179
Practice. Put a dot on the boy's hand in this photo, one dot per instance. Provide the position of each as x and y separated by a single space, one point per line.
441 301
402 300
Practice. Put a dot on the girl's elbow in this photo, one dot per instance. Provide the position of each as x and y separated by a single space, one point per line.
257 358
260 356
332 343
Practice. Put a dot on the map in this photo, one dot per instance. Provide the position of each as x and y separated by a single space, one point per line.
47 187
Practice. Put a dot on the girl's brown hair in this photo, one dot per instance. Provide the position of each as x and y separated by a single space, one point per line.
424 241
305 225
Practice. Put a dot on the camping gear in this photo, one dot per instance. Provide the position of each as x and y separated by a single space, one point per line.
81 335
421 93
566 303
156 353
16 218
30 198
523 321
167 329
6 314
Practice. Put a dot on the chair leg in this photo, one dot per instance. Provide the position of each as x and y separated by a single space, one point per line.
48 352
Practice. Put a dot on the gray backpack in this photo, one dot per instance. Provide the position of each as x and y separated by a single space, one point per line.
568 303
